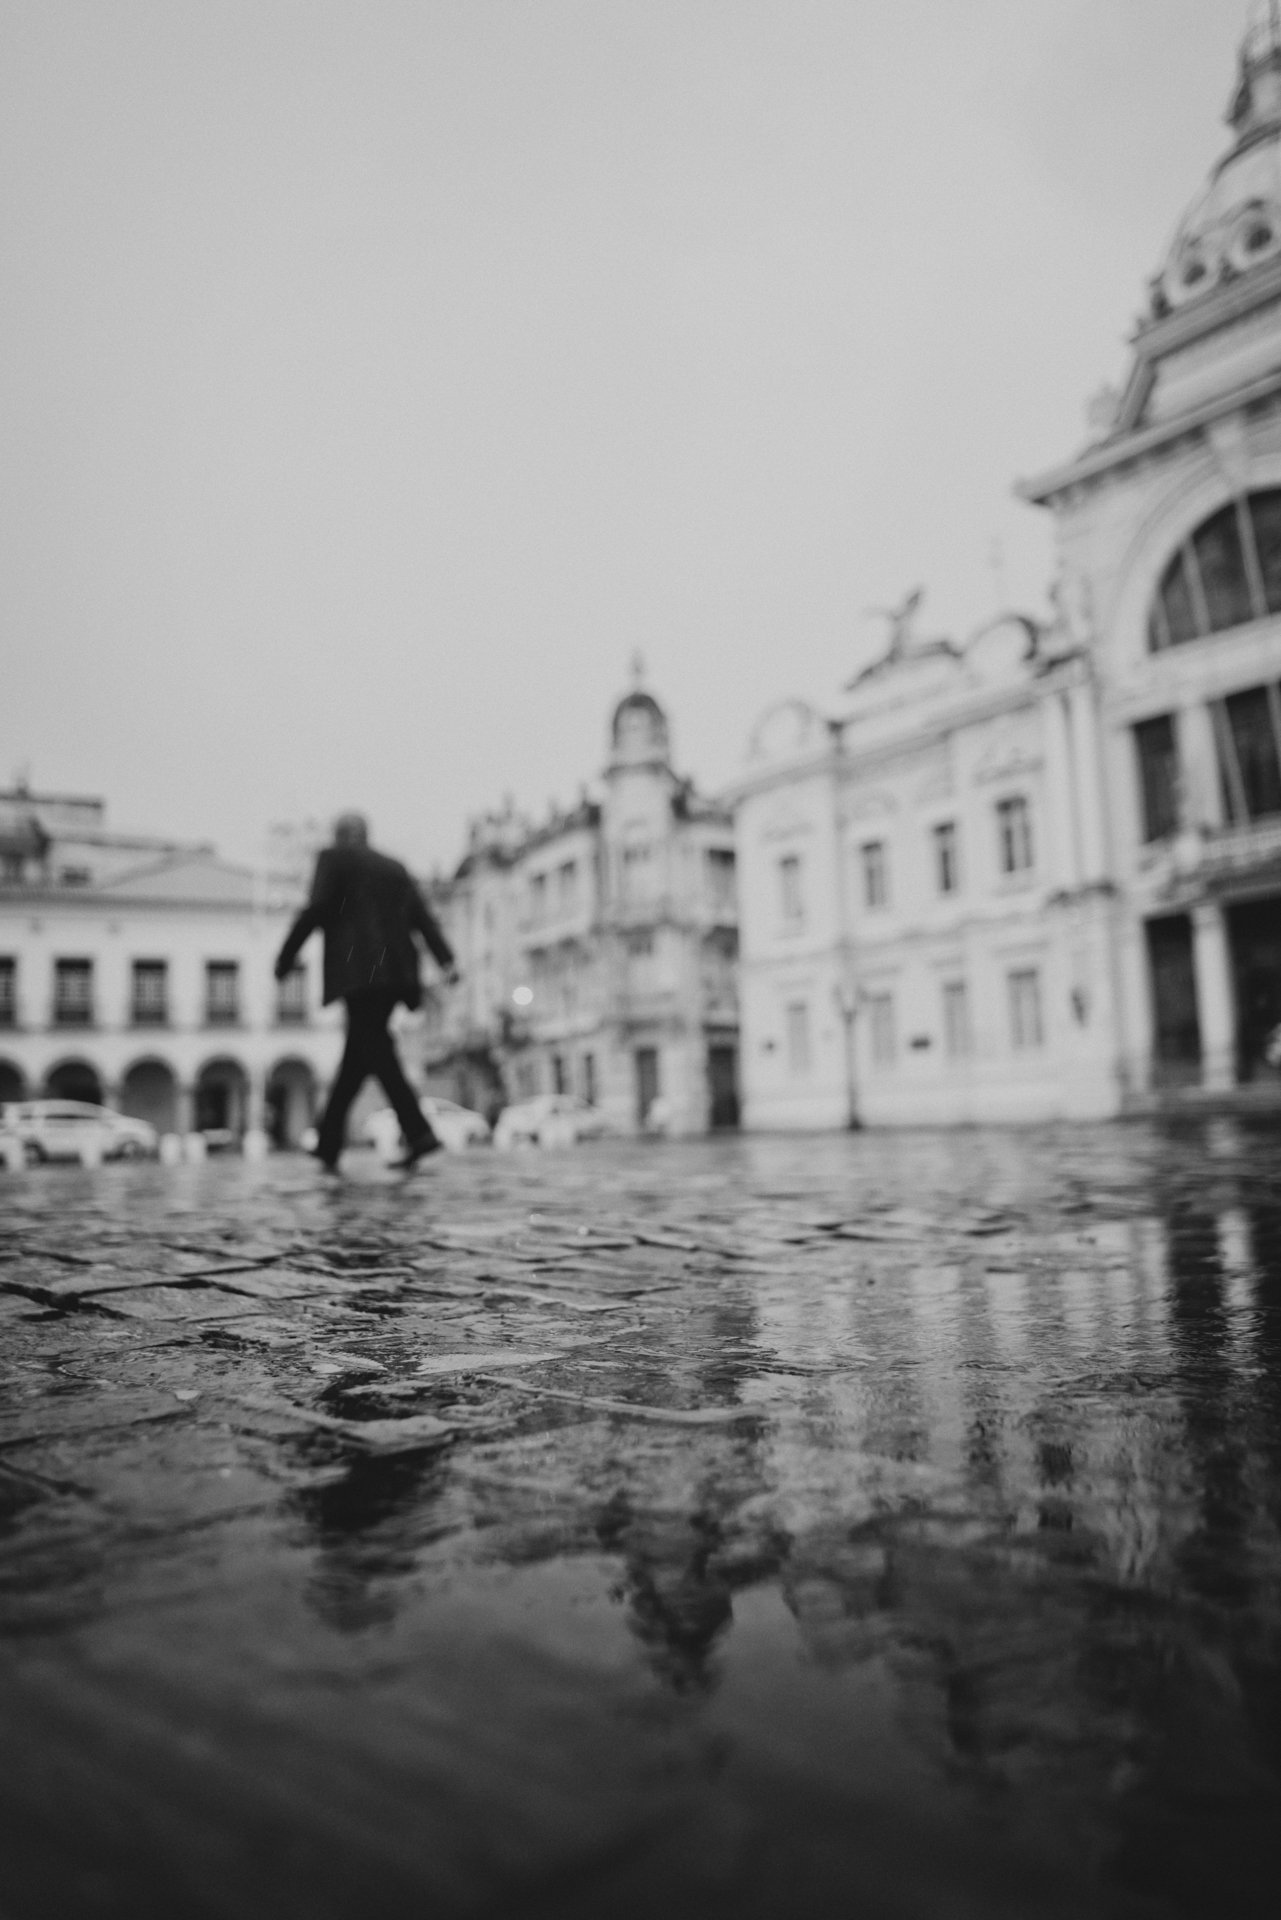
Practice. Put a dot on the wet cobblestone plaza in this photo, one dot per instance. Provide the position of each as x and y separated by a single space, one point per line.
862 1525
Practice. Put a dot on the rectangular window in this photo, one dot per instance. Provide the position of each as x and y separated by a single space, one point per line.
558 1073
149 1006
947 871
8 991
1247 730
957 1039
876 874
1014 834
798 1037
291 998
538 899
567 884
1026 1030
589 1079
791 898
73 993
638 876
1158 756
880 1022
720 879
222 993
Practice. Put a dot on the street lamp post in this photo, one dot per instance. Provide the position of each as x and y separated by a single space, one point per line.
846 997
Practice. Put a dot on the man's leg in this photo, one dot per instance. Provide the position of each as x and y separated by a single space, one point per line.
352 1073
385 1062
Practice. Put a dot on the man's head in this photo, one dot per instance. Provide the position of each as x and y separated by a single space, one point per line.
351 830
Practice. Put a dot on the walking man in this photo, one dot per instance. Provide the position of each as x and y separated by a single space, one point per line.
369 910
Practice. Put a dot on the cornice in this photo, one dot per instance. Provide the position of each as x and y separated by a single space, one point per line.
1097 461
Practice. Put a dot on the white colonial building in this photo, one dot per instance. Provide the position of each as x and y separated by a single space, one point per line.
1039 875
138 972
598 950
1169 531
925 915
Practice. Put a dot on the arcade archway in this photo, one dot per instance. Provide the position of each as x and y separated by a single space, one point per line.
291 1102
149 1091
222 1097
74 1080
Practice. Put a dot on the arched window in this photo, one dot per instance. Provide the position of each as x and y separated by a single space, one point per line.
1227 572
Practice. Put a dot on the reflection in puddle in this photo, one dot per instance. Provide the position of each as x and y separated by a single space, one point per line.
875 1524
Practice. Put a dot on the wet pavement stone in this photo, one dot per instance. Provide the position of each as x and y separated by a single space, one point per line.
867 1525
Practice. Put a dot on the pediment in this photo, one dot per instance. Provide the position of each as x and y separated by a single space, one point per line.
1014 750
787 731
877 803
784 819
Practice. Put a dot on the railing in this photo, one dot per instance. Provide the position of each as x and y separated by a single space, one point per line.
73 1014
1242 846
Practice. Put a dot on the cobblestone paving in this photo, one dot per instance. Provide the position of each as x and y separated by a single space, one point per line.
860 1526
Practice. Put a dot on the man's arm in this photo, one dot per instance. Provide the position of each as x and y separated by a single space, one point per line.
424 921
312 916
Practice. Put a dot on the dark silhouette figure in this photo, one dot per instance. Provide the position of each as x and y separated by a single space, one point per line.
369 910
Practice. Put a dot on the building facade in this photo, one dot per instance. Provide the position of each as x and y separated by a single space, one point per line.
598 949
1169 532
138 973
1039 875
926 918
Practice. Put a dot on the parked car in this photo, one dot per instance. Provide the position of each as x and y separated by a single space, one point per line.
549 1120
456 1127
68 1129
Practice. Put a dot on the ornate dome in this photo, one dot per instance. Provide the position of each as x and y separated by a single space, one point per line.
1234 224
638 730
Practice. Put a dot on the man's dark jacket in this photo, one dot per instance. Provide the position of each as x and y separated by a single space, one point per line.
368 909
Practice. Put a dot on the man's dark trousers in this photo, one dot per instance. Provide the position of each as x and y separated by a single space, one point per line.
369 1049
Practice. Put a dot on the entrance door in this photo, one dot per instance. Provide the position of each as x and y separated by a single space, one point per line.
646 1081
1176 1051
722 1086
1254 935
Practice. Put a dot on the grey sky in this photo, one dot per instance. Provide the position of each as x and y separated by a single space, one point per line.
376 378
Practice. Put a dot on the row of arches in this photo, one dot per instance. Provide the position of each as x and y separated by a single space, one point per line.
150 1090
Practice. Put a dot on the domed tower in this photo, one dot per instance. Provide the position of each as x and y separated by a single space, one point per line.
638 732
1234 224
1168 527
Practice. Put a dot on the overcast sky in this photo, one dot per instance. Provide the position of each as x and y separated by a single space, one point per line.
377 378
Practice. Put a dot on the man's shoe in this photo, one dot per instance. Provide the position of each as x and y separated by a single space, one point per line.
417 1150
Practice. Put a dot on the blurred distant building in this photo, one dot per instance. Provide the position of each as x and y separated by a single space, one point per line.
138 971
598 949
924 921
1040 874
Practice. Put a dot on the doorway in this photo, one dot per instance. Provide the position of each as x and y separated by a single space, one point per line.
722 1087
1254 937
1176 1036
646 1082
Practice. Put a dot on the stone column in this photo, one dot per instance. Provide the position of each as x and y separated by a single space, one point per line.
1216 1013
255 1142
1063 866
1089 783
1201 790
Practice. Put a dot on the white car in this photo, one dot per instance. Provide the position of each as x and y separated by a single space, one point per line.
454 1126
549 1120
76 1129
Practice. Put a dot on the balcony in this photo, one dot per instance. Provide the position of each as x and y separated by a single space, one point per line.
1227 851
